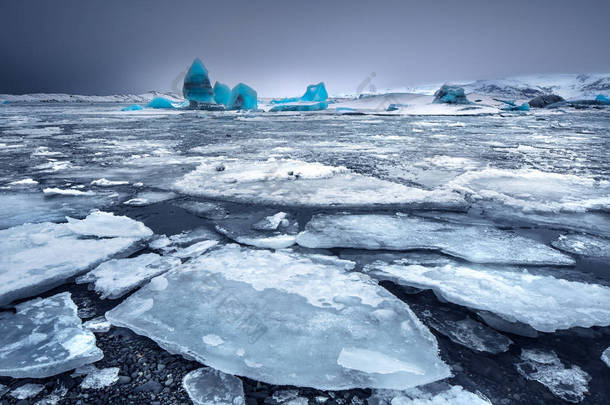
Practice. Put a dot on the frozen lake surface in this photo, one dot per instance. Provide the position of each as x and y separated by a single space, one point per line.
474 227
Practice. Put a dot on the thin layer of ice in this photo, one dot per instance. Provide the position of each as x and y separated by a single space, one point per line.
37 257
570 384
298 183
100 378
583 245
150 197
455 395
478 244
206 386
543 302
117 277
26 391
333 311
43 338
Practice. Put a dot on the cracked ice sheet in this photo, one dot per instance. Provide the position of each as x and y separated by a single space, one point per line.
544 302
478 244
115 278
37 257
534 190
43 338
298 183
335 317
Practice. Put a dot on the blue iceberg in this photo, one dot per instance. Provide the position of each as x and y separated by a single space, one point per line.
514 107
603 99
314 92
160 102
222 93
450 95
243 97
321 105
133 107
197 87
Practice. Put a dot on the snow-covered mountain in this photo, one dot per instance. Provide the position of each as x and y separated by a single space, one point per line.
76 98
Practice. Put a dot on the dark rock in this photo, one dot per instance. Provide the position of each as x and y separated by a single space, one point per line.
544 100
150 386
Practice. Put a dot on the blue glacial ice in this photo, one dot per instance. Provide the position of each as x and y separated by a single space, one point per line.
300 106
450 95
160 102
477 244
222 94
544 302
243 97
342 331
133 107
314 92
197 87
603 99
37 257
206 386
43 338
514 107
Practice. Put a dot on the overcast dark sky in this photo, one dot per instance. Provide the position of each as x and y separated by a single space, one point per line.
278 47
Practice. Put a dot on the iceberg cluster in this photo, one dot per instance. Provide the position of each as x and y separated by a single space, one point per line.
517 296
44 337
37 257
342 330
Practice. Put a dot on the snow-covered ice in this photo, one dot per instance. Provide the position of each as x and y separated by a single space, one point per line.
478 244
298 183
570 384
544 302
37 257
43 338
342 330
206 386
115 278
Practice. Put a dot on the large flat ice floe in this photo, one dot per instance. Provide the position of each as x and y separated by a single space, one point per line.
342 329
37 257
43 338
545 303
478 244
298 183
534 190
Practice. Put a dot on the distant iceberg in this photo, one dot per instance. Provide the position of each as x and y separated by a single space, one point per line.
314 92
450 95
133 107
222 93
160 102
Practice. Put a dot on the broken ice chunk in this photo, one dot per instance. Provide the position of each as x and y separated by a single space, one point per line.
606 356
115 278
3 390
583 245
27 391
150 197
332 311
298 183
100 378
570 384
108 225
478 244
544 302
43 338
37 257
271 223
454 395
98 325
206 386
471 334
195 249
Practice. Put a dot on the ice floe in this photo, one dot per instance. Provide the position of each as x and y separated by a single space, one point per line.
206 386
570 384
100 378
150 197
298 183
478 244
103 182
43 338
342 331
453 395
544 302
115 278
583 245
37 257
